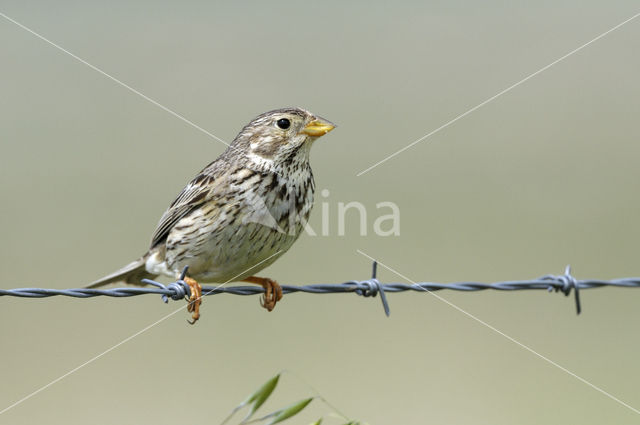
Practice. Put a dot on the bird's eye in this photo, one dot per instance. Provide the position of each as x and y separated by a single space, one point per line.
283 123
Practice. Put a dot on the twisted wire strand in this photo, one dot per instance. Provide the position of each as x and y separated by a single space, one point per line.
565 283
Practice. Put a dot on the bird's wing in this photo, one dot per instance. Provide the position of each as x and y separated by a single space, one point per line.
196 193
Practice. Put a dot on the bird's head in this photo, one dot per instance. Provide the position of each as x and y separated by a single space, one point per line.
279 136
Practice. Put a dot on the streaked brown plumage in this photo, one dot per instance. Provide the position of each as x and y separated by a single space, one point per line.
241 212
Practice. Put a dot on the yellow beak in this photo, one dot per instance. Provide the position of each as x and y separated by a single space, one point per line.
318 127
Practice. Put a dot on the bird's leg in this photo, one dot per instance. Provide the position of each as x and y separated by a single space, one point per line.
194 300
272 291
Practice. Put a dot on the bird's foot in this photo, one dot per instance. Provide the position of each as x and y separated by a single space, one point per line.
194 300
272 291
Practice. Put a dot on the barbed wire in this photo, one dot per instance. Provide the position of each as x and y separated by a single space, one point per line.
178 290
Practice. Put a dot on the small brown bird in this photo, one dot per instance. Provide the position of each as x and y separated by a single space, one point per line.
240 213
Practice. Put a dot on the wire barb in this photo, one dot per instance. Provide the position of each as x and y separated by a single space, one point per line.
371 288
565 283
178 290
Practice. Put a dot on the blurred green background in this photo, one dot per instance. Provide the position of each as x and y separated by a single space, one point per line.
543 176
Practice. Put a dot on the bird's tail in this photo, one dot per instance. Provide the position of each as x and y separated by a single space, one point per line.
132 273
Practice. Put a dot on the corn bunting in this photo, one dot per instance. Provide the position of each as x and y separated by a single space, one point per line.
240 213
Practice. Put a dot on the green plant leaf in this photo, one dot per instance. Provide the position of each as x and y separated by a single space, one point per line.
256 399
261 395
288 412
318 422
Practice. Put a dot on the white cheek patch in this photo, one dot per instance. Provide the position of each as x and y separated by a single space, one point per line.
260 161
264 140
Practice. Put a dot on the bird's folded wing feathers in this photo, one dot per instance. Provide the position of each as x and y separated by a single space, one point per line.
196 193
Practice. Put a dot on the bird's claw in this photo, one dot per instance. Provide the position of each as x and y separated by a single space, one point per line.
272 294
194 300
